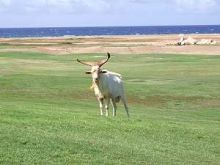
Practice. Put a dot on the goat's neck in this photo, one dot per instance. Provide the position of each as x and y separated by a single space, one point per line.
99 83
97 87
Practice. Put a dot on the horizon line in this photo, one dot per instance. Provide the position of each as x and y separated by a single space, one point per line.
25 27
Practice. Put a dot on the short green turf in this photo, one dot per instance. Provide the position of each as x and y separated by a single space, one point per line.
48 114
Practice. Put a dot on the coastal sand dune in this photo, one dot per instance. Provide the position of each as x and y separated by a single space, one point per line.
137 44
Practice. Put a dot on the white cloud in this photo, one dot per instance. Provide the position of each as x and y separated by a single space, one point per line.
97 5
107 12
195 6
63 6
4 4
103 5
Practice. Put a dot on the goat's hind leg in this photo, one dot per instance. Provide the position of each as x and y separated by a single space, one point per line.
125 105
114 107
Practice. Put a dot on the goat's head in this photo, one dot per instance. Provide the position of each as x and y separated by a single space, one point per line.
95 68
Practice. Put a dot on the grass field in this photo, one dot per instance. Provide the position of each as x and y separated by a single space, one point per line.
48 115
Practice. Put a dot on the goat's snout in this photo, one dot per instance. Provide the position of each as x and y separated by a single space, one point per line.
96 79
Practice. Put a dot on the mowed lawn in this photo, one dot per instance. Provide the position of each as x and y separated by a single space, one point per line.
48 114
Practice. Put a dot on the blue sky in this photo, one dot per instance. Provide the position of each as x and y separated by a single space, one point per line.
61 13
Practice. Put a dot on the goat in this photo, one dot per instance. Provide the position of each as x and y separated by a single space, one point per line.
107 86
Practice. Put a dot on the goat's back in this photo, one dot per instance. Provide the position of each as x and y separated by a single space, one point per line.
111 84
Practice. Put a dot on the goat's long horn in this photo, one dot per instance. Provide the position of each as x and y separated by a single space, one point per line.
102 62
85 62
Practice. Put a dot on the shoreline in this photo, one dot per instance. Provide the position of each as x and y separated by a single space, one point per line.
113 36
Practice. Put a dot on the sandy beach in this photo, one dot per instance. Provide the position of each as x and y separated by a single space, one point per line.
135 44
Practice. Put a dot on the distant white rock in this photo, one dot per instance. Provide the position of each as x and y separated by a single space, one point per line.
181 41
206 42
188 41
192 41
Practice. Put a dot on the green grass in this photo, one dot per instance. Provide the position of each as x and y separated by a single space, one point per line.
48 115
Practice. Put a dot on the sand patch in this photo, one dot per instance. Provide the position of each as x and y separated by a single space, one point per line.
136 44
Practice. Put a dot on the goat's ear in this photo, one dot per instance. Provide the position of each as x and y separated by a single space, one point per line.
88 72
104 71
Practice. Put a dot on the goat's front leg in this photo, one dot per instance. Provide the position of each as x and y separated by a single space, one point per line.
107 106
101 105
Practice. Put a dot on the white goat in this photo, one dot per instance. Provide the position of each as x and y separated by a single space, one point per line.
108 86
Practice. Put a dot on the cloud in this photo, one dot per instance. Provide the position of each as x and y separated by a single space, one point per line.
68 6
107 12
4 4
196 6
86 6
62 6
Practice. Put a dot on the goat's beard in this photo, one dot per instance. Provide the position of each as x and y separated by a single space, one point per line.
94 84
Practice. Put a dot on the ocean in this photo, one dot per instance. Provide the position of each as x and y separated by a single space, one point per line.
90 31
